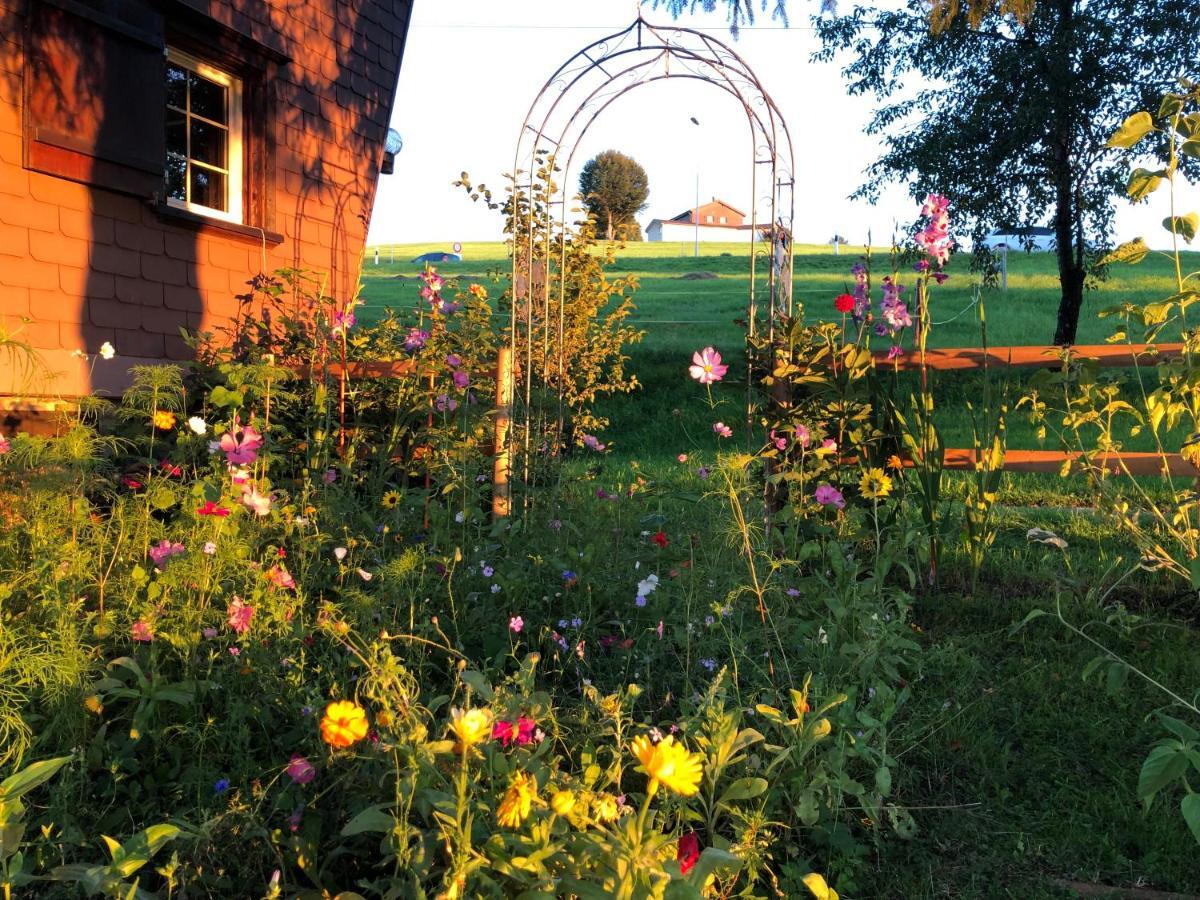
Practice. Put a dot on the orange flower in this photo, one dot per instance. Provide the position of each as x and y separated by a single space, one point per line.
163 420
345 724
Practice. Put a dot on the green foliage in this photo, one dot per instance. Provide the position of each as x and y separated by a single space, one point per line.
614 188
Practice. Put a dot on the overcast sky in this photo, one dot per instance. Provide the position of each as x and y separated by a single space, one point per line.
473 67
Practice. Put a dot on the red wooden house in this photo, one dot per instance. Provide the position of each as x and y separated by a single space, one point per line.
156 154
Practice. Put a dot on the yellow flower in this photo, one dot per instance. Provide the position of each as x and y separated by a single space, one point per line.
606 808
163 420
669 764
875 484
819 888
518 801
345 724
562 802
93 705
390 500
478 291
822 728
470 726
384 718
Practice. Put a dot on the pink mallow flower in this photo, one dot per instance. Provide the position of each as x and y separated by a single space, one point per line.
242 449
164 550
706 366
828 495
240 614
300 770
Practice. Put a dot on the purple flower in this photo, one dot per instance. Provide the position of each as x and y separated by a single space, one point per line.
703 472
828 495
710 664
895 351
416 339
593 443
221 786
164 550
461 379
453 361
445 402
487 571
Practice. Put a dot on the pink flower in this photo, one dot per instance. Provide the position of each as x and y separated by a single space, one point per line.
515 624
164 550
525 729
894 352
300 770
240 614
260 503
5 446
779 441
453 361
593 443
330 476
720 429
415 340
212 509
342 322
706 366
281 578
802 435
210 548
828 495
142 632
682 457
461 379
241 450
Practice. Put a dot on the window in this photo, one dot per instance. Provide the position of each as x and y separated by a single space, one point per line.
708 219
722 220
204 138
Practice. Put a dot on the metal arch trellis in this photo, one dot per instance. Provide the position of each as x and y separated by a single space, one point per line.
533 416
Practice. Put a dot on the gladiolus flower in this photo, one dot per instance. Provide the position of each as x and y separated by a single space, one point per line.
300 770
669 764
518 801
844 303
688 853
344 724
706 366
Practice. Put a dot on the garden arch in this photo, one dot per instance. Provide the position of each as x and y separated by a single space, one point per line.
561 114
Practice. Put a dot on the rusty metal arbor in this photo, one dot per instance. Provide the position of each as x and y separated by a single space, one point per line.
530 422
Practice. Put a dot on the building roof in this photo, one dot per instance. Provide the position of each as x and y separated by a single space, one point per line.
686 215
690 224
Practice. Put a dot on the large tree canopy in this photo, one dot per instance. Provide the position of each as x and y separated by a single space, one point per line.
941 12
614 188
1011 120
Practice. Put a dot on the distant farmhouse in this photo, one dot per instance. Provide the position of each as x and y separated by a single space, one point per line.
1021 239
718 221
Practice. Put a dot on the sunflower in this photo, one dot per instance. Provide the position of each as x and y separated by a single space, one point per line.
669 764
876 484
344 724
518 801
470 726
163 420
390 500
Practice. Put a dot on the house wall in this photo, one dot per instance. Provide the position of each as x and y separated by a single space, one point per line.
683 232
81 265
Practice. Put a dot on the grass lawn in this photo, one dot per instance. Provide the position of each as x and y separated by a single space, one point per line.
1021 775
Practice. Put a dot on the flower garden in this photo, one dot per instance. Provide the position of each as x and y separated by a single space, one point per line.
261 635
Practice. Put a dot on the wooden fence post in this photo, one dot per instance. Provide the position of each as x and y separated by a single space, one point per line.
502 464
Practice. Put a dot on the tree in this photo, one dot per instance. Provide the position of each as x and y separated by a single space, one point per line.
941 12
1013 120
614 189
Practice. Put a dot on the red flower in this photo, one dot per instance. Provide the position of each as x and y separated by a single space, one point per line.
211 509
688 852
660 539
844 303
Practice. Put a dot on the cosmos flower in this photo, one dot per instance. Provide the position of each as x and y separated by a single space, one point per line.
720 429
706 366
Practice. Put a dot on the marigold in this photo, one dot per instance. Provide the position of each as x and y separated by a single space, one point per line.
344 724
669 764
876 484
470 726
518 800
563 802
163 420
93 705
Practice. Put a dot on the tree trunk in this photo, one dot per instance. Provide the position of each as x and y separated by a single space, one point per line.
1068 233
609 233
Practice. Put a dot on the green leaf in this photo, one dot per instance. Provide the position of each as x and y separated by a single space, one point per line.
883 780
744 789
1165 763
478 683
30 777
1132 130
1143 183
1184 226
1190 807
712 860
140 848
373 818
1191 148
1181 730
222 397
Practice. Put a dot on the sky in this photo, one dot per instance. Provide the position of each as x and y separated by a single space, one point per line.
473 67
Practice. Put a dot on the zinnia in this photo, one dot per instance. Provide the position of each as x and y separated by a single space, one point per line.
706 366
844 303
518 800
344 724
669 764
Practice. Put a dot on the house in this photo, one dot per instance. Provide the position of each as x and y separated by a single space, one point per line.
717 221
155 155
1021 239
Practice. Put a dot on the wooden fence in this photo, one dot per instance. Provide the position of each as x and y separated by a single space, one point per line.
950 359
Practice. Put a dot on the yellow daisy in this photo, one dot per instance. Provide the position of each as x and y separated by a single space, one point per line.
470 726
390 500
518 801
876 484
669 764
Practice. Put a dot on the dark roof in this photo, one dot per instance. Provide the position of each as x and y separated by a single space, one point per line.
1032 231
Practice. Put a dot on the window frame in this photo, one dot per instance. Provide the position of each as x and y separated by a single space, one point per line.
235 141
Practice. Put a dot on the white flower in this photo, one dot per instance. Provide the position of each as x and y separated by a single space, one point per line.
340 553
495 588
198 426
107 350
210 548
78 354
365 575
647 586
460 517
